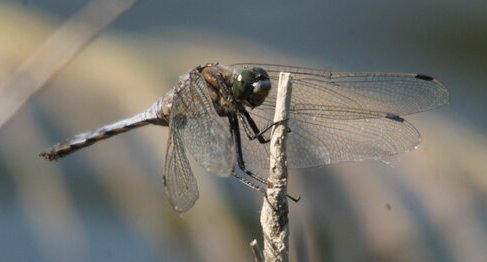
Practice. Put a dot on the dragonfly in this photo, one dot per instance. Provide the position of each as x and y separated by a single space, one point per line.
222 116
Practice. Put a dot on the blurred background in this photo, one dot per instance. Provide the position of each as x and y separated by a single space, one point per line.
106 203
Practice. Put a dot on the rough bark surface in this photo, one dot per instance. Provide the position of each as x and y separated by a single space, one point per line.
274 215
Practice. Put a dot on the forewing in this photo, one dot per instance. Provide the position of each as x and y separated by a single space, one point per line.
338 117
204 133
395 93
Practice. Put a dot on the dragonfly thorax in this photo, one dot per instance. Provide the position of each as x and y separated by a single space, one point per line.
230 89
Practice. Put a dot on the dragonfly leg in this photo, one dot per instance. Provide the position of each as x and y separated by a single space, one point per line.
240 166
254 176
238 149
256 186
251 129
247 182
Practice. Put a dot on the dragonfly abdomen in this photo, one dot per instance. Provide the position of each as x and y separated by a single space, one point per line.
154 115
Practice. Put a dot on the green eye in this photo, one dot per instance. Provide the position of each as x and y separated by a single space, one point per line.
251 86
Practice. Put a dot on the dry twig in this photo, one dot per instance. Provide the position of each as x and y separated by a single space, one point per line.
274 216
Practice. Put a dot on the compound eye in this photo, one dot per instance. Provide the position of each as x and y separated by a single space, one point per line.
251 86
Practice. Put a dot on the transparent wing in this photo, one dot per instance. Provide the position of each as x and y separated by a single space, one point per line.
205 134
179 181
396 93
338 117
195 126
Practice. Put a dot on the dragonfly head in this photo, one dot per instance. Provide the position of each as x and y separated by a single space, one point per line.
251 86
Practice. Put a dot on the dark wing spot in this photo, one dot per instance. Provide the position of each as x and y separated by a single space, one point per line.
424 77
394 117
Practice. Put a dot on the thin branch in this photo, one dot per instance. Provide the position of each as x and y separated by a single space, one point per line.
274 216
254 246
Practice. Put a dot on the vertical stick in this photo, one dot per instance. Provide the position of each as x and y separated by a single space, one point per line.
274 219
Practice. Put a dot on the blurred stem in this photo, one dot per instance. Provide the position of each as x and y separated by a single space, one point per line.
274 215
60 48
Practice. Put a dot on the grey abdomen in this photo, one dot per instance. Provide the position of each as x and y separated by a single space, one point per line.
157 114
